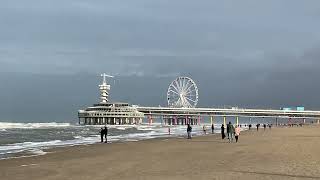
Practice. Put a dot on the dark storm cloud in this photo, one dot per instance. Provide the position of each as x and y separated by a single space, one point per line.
247 53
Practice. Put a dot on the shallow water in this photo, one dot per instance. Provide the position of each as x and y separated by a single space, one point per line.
25 139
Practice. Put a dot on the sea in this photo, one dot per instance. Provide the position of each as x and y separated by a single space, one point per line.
33 139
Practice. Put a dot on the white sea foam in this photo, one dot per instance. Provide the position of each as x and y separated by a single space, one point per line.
8 125
37 148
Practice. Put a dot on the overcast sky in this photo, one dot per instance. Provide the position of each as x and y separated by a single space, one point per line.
244 53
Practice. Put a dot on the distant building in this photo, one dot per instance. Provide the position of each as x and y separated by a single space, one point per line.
109 112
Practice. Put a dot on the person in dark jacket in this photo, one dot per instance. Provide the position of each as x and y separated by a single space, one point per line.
212 128
106 133
101 134
189 130
222 132
228 129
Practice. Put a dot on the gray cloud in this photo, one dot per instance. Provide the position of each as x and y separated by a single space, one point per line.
247 53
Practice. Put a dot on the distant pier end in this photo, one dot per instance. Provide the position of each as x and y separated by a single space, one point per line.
107 112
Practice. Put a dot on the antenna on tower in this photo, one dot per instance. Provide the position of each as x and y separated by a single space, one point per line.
104 75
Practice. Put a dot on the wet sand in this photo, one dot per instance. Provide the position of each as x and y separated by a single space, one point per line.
280 153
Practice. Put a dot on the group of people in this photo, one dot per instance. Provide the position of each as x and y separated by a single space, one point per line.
104 134
231 132
264 126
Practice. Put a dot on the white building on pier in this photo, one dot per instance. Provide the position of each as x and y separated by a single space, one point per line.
107 112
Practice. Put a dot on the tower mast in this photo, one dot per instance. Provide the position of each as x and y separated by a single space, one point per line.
104 88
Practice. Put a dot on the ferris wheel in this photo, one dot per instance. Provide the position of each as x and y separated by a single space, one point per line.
183 93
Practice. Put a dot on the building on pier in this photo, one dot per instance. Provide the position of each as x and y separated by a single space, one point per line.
107 112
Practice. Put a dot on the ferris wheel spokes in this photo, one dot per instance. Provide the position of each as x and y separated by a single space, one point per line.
182 92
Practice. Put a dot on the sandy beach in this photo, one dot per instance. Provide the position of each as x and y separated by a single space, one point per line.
280 153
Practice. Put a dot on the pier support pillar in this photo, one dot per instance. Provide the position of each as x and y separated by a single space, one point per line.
237 120
224 121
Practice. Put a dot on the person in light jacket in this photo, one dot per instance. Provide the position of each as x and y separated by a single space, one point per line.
237 133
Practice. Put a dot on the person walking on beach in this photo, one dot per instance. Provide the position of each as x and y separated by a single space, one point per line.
231 132
264 127
189 130
258 127
237 133
222 131
250 126
204 128
101 134
106 133
228 130
212 129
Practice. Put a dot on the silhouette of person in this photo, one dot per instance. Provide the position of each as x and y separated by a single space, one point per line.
106 133
212 128
222 132
189 130
228 130
101 134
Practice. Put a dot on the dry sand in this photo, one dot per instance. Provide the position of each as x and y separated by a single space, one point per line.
282 153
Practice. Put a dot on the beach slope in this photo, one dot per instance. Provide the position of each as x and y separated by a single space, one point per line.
280 153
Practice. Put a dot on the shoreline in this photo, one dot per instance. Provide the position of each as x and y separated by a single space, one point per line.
36 148
45 150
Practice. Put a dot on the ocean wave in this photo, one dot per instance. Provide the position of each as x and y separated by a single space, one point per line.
144 132
8 125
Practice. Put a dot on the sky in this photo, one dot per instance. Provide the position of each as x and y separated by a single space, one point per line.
248 53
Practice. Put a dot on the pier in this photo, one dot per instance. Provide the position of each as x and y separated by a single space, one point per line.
182 98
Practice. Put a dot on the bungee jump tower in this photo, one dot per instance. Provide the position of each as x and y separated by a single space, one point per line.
112 113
